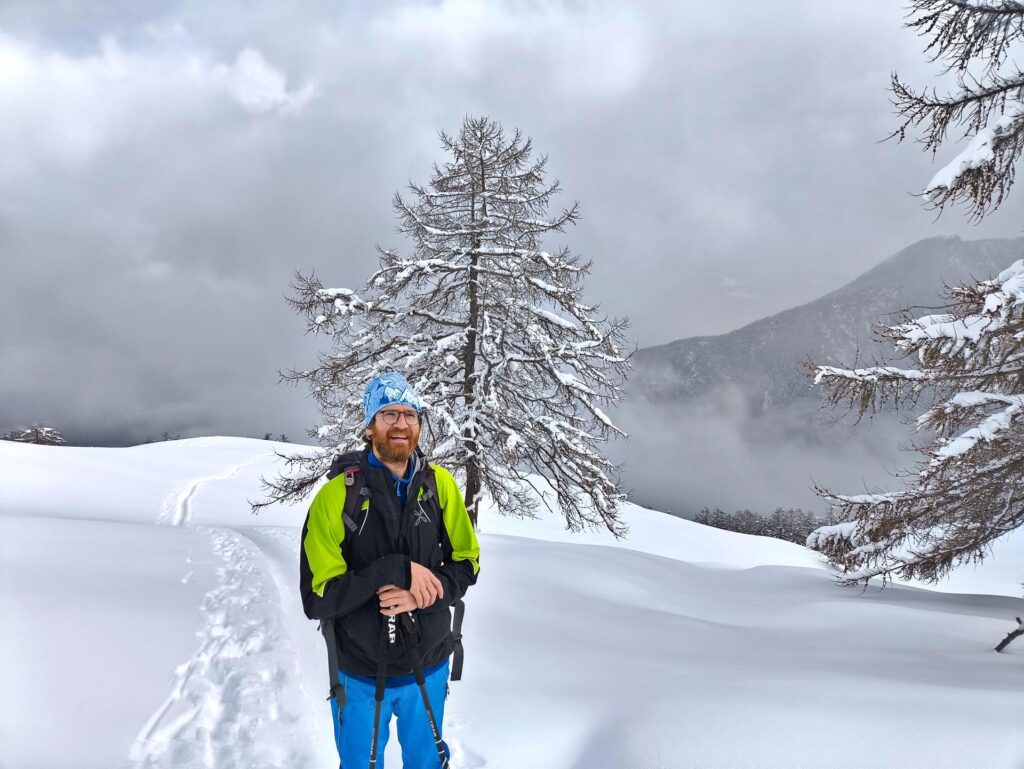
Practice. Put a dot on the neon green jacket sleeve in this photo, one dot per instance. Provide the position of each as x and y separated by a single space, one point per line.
461 563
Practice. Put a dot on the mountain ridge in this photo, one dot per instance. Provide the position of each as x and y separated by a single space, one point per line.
764 358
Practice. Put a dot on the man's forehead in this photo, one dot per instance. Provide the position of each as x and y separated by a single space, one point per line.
403 409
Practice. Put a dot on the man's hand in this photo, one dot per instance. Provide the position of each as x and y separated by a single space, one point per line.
425 587
395 601
423 591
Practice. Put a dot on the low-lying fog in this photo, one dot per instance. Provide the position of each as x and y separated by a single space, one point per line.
712 454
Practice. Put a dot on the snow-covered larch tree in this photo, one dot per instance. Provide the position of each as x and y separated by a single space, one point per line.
516 371
967 362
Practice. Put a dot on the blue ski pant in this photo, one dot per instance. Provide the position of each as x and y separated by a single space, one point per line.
354 730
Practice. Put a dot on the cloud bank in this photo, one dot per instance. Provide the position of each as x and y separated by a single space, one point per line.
167 166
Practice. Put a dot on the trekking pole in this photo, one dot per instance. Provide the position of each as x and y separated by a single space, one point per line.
388 636
412 631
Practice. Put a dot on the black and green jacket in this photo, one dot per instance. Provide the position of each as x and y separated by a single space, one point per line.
340 570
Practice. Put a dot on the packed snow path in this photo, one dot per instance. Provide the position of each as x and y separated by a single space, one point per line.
238 702
234 704
179 507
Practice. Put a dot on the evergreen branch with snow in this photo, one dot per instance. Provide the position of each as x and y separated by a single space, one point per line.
968 489
988 105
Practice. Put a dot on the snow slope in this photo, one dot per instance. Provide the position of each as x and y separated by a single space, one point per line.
148 619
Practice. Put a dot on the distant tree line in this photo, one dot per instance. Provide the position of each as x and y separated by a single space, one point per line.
44 435
792 525
164 436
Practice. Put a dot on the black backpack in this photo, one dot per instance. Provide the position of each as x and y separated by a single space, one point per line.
355 492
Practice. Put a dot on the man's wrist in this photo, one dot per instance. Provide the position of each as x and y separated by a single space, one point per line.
393 569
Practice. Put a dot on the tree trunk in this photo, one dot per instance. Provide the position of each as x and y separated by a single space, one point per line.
469 383
473 479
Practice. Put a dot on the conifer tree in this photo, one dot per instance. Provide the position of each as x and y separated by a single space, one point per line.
515 368
967 362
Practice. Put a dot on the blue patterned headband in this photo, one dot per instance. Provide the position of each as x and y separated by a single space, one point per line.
387 390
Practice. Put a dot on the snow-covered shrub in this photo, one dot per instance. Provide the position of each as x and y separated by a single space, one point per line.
39 434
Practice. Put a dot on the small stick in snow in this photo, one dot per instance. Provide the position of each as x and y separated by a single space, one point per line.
1018 632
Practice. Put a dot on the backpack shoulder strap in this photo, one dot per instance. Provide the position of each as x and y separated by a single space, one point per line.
430 481
356 490
343 462
458 653
349 464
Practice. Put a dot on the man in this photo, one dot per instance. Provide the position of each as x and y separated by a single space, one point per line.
400 552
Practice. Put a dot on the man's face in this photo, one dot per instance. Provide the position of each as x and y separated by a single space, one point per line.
394 432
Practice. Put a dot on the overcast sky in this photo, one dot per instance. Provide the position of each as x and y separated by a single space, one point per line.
166 166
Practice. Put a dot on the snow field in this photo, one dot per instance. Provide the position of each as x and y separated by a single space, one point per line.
636 661
185 645
94 618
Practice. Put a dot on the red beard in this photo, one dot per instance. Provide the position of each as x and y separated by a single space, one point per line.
388 450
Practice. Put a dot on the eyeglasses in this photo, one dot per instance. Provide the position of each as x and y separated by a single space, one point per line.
391 417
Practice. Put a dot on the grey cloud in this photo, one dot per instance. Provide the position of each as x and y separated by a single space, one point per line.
726 158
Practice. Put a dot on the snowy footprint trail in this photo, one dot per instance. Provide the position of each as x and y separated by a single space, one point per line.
233 703
179 506
238 701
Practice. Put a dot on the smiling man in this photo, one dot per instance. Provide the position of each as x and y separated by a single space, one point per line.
387 548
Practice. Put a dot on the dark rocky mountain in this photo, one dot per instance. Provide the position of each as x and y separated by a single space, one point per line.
764 360
734 421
